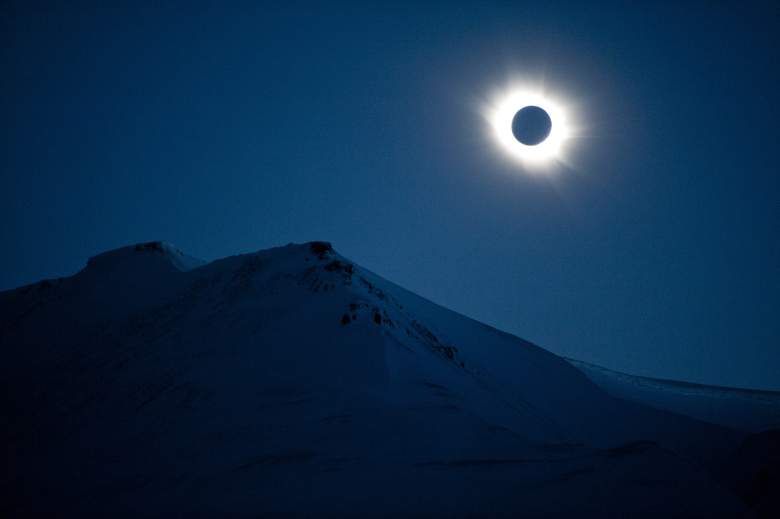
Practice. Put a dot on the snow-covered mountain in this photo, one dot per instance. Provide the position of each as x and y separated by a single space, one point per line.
744 409
292 381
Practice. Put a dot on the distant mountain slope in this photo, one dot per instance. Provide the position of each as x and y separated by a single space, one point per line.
292 381
746 409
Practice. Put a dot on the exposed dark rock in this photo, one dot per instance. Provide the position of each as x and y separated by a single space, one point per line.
320 248
150 245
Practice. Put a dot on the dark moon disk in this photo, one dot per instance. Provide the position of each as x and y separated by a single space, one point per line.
531 125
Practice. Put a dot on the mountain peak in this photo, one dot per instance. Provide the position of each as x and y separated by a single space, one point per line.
320 248
157 252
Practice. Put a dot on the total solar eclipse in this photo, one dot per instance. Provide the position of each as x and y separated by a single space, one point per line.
531 125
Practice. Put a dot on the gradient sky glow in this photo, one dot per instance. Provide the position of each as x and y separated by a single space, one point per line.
227 130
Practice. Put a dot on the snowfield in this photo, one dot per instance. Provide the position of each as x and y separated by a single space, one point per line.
745 409
293 382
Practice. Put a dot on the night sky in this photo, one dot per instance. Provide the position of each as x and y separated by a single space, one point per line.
228 130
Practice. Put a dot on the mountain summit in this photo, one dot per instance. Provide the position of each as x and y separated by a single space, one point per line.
292 381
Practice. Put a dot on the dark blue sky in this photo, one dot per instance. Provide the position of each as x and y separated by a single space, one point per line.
230 130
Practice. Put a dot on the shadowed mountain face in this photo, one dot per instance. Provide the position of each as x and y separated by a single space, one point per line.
292 381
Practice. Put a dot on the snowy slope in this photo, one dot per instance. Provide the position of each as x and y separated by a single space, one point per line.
746 409
292 381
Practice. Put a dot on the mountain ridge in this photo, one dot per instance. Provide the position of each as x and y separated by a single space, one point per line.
753 410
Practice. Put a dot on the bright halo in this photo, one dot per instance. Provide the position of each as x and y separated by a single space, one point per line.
501 112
